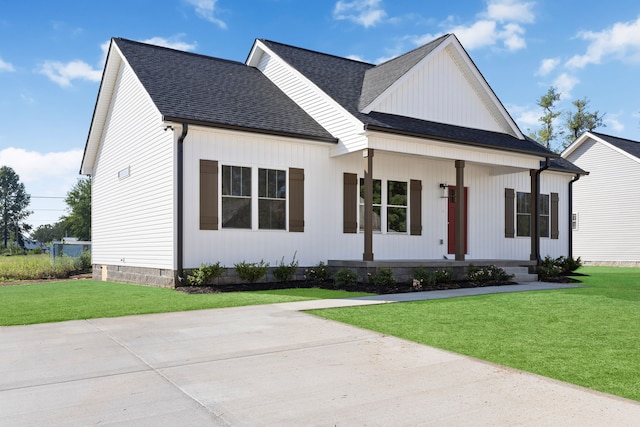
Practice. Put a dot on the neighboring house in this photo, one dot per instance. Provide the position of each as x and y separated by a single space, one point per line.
605 222
197 159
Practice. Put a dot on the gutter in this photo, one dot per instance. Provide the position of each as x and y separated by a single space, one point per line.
536 202
577 177
180 213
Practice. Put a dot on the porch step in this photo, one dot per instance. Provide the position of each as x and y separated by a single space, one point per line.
521 274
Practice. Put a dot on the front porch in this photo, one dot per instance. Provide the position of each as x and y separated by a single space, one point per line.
523 270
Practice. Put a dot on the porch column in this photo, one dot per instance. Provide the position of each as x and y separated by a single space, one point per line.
533 227
368 206
460 210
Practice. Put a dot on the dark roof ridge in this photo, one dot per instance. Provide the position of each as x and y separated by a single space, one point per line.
185 52
434 41
613 136
317 52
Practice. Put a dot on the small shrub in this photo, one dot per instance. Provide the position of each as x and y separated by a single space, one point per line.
284 272
83 263
319 273
568 264
345 278
429 278
486 274
205 274
383 278
251 272
36 251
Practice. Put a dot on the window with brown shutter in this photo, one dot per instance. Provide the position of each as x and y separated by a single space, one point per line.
296 200
350 203
208 195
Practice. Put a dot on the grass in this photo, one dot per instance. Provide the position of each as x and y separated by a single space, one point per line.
588 336
85 299
28 267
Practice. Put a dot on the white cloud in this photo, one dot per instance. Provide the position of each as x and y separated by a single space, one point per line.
6 66
526 117
172 42
364 12
206 9
547 65
63 73
44 175
512 36
480 34
621 41
510 11
499 24
565 83
612 121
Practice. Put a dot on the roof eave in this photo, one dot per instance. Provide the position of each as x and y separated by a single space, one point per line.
226 126
457 141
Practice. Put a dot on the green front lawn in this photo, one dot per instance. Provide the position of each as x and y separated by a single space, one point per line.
85 299
587 336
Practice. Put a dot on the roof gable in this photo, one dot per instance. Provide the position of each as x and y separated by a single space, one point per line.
627 147
437 82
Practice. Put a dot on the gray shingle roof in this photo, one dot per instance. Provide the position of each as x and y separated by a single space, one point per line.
382 76
628 145
563 165
202 89
343 80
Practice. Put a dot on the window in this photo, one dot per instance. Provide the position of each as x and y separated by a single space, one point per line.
236 197
377 204
574 221
272 199
543 212
523 215
397 206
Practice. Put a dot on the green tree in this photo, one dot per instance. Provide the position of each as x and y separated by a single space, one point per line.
78 222
49 232
548 133
14 201
581 121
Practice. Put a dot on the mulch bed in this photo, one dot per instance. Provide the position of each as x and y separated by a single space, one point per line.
360 287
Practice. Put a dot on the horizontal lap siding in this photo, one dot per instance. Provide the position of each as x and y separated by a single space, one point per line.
133 217
317 104
606 201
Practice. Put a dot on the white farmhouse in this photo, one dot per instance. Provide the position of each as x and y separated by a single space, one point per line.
606 206
197 159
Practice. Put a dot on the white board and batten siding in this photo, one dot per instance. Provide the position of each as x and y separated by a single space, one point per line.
323 109
607 202
437 90
133 181
323 236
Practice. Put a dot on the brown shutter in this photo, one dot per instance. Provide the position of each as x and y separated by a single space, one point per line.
296 200
554 216
208 195
350 203
415 207
509 214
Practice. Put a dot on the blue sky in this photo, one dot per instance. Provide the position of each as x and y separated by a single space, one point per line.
52 54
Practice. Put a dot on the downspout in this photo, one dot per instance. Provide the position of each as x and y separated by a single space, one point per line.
577 177
179 216
536 202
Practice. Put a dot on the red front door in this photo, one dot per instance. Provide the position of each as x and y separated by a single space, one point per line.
451 218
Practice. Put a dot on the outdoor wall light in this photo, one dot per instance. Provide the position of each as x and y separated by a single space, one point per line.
443 187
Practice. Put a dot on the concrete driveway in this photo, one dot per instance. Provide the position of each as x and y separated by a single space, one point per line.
268 365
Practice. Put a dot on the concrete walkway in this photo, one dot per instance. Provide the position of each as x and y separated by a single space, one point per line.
270 365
